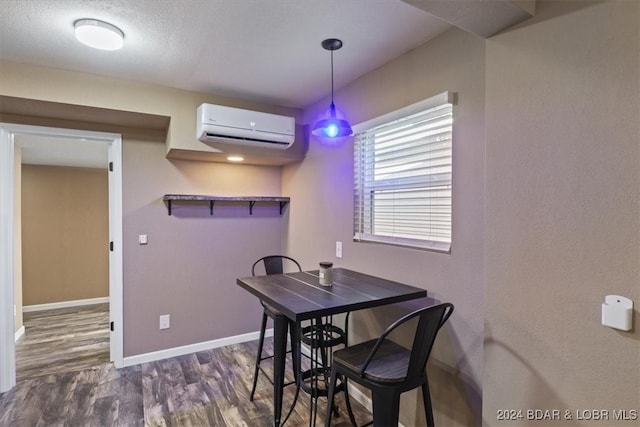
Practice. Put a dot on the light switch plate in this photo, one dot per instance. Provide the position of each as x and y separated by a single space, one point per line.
338 249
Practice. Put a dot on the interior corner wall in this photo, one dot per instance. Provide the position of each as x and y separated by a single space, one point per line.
322 188
65 218
562 215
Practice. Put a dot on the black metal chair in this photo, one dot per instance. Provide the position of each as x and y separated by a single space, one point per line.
273 264
389 369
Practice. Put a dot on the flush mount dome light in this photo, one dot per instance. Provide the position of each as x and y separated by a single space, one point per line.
332 127
99 34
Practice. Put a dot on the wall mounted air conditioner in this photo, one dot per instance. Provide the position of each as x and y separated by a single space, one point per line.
227 125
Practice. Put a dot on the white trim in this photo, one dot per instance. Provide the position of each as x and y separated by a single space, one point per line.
19 333
116 299
193 348
7 225
360 397
64 304
439 99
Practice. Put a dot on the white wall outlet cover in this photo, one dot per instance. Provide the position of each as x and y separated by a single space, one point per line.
165 321
143 239
617 312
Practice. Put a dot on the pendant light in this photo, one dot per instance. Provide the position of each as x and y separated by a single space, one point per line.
332 127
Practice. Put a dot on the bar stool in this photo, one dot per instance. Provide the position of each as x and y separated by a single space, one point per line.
321 336
273 264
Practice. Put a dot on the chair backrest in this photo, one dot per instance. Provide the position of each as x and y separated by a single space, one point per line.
430 320
274 264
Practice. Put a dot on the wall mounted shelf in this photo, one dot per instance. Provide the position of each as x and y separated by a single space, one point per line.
185 198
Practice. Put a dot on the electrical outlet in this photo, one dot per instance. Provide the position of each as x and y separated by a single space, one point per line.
165 321
142 239
338 249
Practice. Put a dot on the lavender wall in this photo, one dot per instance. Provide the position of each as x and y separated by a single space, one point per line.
322 187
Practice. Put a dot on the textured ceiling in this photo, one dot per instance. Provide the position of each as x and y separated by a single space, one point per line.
261 50
266 51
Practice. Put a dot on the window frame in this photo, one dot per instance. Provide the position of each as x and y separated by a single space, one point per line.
364 232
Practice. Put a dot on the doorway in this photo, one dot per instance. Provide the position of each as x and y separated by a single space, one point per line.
107 142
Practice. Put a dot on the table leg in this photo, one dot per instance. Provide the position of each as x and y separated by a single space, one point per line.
295 349
280 325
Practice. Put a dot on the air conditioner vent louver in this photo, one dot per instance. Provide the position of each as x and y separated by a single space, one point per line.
210 135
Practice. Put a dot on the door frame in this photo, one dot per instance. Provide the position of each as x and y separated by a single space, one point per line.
7 231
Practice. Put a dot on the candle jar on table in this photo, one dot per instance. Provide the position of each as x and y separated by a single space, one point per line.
326 274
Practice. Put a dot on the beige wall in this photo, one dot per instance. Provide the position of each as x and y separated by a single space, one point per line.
50 84
562 213
322 186
65 234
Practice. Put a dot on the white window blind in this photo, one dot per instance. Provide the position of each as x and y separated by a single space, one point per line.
402 171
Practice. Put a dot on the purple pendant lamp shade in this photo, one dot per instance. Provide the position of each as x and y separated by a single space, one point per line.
332 127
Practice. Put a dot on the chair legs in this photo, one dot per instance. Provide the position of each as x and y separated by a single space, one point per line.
386 408
428 410
259 355
347 401
331 408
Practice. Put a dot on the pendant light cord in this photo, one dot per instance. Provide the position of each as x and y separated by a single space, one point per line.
332 127
332 76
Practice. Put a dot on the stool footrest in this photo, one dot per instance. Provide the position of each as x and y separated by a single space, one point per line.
315 382
323 336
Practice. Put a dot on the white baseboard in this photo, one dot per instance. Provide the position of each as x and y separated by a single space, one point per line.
20 332
64 304
356 394
193 348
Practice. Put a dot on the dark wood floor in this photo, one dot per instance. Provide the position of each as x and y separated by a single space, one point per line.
209 388
63 340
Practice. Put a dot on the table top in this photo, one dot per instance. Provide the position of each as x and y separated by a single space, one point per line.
299 296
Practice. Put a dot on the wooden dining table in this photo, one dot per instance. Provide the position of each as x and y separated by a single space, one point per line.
300 296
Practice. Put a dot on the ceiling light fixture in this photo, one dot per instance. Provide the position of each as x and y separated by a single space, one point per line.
235 158
332 127
99 34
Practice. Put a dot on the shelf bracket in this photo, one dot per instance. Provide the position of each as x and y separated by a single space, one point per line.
169 207
282 205
211 203
251 204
